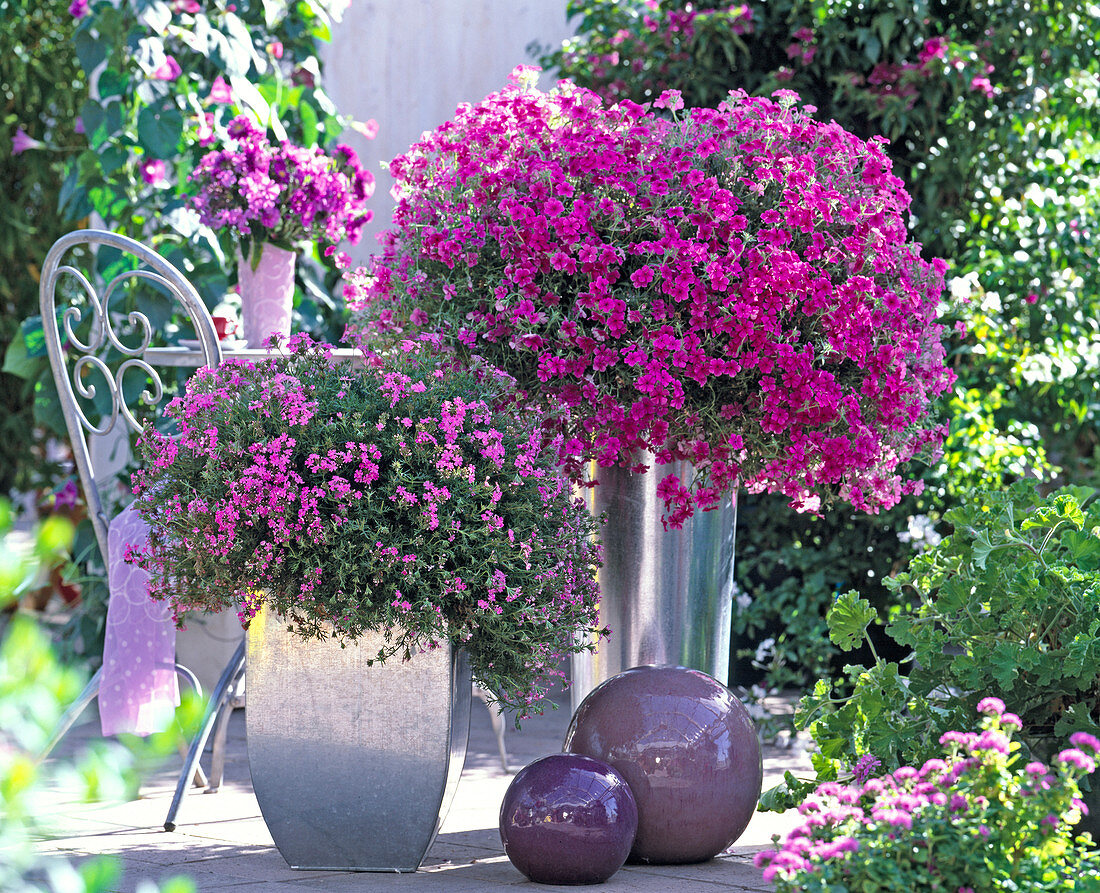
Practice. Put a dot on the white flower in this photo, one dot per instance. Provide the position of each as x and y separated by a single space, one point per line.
921 533
764 652
963 287
741 598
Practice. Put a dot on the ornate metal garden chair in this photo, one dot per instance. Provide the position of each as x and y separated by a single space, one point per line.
123 329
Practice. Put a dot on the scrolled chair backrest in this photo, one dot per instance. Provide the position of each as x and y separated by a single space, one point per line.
117 319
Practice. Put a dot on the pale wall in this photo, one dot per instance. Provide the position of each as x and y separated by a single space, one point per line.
409 63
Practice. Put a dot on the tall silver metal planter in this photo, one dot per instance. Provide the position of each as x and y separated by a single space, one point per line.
354 767
667 595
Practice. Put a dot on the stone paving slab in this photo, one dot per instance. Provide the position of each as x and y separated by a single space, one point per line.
223 844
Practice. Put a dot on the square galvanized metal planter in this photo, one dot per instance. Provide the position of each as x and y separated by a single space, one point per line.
354 766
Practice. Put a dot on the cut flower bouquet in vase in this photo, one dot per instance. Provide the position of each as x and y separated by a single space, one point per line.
273 198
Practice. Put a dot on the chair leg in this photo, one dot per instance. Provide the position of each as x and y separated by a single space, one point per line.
191 679
218 697
221 733
496 720
70 716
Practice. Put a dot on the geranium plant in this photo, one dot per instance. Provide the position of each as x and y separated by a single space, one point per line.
975 818
1008 604
734 287
395 496
282 194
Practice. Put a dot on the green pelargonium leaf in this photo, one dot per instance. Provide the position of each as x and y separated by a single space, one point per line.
848 619
1065 508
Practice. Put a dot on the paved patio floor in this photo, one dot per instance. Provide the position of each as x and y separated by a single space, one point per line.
222 842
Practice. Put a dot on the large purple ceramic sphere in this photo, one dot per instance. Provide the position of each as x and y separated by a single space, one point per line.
568 819
687 748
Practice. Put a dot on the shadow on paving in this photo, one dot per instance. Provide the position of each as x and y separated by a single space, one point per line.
222 843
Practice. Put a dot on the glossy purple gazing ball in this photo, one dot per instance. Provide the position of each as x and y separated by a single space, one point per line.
568 819
689 751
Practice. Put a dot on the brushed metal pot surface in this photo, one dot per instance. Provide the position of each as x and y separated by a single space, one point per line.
354 767
667 595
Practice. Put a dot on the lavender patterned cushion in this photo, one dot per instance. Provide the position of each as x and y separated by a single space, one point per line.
138 691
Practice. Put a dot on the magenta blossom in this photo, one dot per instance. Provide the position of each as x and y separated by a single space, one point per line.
281 194
79 8
735 288
168 70
368 128
220 92
154 172
395 494
21 142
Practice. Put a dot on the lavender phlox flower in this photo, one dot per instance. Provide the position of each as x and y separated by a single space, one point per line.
898 818
865 767
1085 740
991 740
282 194
1073 757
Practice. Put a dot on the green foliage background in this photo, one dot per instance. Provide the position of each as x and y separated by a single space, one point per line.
42 91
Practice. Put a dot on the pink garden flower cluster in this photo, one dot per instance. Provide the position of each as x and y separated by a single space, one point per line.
734 287
671 28
972 821
395 496
281 194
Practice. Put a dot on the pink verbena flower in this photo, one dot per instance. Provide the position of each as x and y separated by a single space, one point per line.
340 498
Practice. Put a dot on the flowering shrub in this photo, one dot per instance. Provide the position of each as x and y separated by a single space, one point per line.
281 194
398 496
734 288
973 820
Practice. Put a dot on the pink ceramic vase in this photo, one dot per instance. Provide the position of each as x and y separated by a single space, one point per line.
267 292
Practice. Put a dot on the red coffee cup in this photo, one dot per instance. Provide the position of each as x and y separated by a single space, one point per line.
224 326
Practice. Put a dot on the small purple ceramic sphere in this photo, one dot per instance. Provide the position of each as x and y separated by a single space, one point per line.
687 748
568 819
